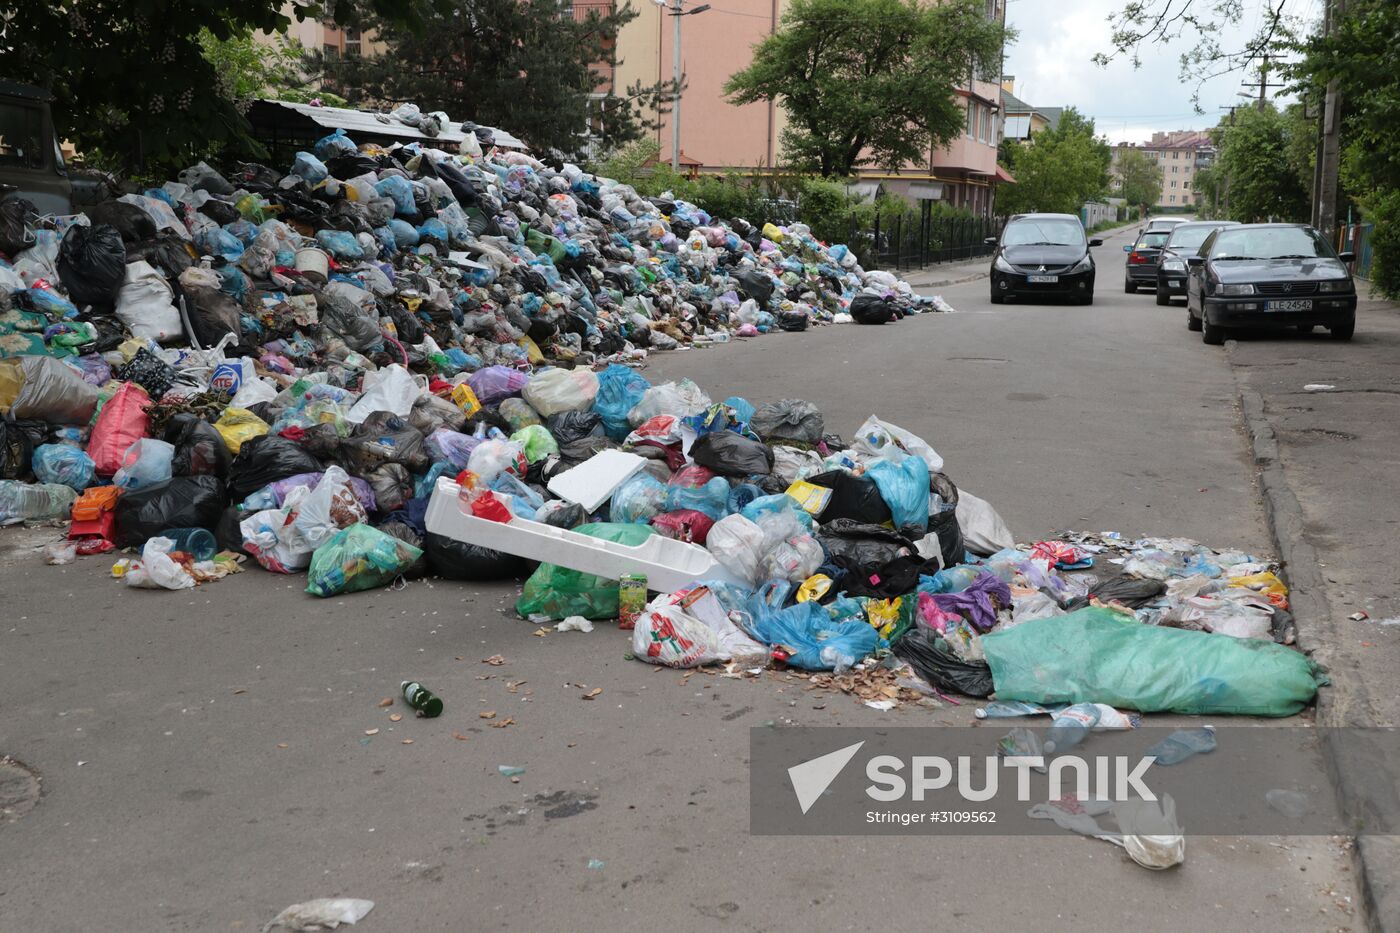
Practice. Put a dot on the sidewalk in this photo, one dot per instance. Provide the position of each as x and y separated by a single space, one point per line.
1326 458
948 273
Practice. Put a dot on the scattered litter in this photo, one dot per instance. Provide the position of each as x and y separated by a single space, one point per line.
595 864
510 770
1318 387
574 624
324 913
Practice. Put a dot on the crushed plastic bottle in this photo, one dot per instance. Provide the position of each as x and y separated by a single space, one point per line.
1071 726
34 502
1182 744
1004 709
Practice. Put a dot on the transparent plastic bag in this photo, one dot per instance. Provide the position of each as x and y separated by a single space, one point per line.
738 544
558 390
638 500
145 463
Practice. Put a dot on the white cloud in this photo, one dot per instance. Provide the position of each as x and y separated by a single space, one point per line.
1052 62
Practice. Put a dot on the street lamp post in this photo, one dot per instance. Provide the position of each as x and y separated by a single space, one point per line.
676 12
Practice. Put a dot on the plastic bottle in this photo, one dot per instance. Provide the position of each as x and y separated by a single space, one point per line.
196 542
31 502
1071 726
1182 744
1003 709
421 699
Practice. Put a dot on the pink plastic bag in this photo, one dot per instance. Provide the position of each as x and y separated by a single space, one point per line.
121 423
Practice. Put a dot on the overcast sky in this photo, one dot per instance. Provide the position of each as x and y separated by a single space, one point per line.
1051 62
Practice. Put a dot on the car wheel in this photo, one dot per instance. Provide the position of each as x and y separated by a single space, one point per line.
1344 330
1163 298
1128 287
1212 334
998 298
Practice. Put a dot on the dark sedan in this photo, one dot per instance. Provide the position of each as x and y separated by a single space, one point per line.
1269 276
1140 270
1043 255
1184 241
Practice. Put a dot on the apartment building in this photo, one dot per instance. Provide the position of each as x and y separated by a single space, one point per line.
1181 154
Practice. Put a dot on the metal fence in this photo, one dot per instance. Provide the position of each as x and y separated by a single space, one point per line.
1356 238
914 239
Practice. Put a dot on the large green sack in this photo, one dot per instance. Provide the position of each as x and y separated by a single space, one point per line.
357 558
1101 656
558 592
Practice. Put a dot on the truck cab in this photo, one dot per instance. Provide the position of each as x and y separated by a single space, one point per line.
31 162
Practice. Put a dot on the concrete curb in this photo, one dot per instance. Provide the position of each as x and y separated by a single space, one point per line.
1347 701
944 283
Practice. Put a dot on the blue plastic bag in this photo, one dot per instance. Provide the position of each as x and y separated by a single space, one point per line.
905 489
399 189
336 144
62 464
620 388
405 234
741 495
433 229
712 498
220 243
743 410
768 505
637 500
820 644
309 167
340 244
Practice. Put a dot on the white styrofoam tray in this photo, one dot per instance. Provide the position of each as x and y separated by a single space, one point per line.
668 564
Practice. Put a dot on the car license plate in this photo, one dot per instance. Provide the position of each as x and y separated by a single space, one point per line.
1042 279
1295 304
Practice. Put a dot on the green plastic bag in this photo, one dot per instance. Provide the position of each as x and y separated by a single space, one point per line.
558 592
1101 656
537 441
358 558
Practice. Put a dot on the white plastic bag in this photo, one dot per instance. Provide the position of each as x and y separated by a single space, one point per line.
145 463
157 571
252 392
160 212
324 913
273 539
670 398
697 634
738 544
558 390
390 389
984 533
791 464
331 506
491 458
793 559
881 439
145 304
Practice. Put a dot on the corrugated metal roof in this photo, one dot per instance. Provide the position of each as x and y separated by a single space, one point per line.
365 121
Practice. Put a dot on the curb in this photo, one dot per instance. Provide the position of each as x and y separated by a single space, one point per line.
944 283
1347 701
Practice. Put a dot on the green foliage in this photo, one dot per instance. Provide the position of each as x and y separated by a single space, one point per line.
1139 178
1362 59
130 77
522 65
869 82
249 69
1259 182
1060 170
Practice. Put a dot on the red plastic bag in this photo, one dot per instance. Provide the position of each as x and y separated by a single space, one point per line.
684 525
489 507
121 423
692 476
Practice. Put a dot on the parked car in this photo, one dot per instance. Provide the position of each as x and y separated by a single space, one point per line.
1184 240
1043 255
1269 276
1141 266
1164 223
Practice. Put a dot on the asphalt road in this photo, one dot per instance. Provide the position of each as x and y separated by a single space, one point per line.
206 761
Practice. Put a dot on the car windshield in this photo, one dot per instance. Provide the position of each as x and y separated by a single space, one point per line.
1044 232
1270 243
1190 238
1154 240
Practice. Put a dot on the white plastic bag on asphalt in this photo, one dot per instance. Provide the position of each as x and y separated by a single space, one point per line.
146 305
686 629
390 389
983 530
878 438
157 571
324 913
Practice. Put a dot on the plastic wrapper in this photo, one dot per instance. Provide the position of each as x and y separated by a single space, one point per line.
638 499
552 391
63 464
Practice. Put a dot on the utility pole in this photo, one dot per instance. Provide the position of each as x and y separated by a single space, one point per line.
675 12
1263 84
1329 148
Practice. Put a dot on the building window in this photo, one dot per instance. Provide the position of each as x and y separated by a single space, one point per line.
1174 168
971 119
330 51
1186 185
1173 182
1171 199
983 124
352 41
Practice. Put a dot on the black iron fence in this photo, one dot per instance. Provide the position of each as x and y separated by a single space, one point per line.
914 239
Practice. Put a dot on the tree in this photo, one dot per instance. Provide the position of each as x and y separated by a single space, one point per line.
870 82
522 65
1059 171
1361 57
250 69
1139 179
130 77
1253 162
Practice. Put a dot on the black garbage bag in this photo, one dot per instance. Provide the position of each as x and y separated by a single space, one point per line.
148 371
92 263
897 577
322 442
409 327
228 536
15 215
756 285
345 320
456 560
199 448
264 460
867 309
222 212
730 454
431 412
853 497
862 544
382 438
788 420
212 313
570 426
166 252
351 165
940 667
1130 591
179 502
575 452
392 485
793 321
408 535
16 451
950 538
570 516
131 222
